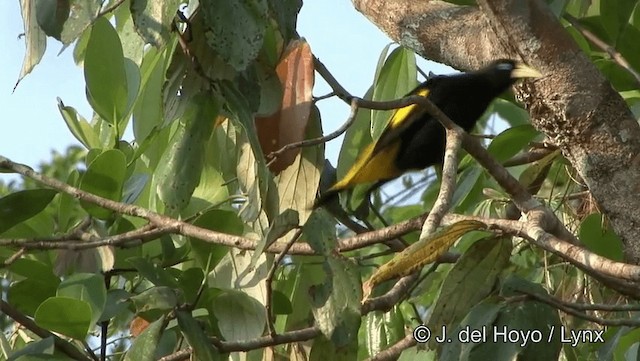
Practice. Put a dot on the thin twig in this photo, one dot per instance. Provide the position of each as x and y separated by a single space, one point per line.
111 8
394 351
320 140
269 279
551 301
613 53
9 261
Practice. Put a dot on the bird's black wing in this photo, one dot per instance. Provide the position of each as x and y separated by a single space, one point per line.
402 119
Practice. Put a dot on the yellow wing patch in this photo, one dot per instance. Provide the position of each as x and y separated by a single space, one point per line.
401 115
371 167
377 160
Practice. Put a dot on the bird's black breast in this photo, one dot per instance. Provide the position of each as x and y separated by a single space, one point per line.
463 99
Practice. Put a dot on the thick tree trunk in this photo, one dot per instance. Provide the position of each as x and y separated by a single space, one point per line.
573 104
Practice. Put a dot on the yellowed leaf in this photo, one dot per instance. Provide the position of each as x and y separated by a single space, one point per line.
420 253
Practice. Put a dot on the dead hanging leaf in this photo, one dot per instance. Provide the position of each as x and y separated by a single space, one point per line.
420 253
288 124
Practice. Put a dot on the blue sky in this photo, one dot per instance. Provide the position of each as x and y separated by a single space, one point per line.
31 126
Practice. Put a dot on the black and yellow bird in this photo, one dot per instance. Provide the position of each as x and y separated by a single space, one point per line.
413 139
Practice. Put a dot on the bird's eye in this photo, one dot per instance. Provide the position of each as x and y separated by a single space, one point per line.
505 66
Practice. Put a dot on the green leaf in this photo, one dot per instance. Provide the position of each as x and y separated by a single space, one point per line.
397 78
599 238
66 315
285 13
614 15
153 19
153 273
325 349
181 166
356 138
281 303
155 298
44 346
509 111
281 225
86 287
202 348
51 16
116 304
240 316
383 329
511 141
81 16
235 29
319 232
535 170
209 254
298 183
480 316
470 280
105 74
253 174
336 302
104 177
22 297
68 205
144 346
190 282
147 112
19 206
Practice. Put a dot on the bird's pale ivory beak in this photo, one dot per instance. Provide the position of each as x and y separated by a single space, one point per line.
524 71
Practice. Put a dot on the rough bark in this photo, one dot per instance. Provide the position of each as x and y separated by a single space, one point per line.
573 104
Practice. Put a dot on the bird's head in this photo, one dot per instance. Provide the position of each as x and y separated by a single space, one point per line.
511 69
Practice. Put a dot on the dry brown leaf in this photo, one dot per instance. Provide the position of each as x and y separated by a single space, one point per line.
288 125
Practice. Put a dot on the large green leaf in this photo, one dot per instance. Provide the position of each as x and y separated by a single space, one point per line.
240 316
68 316
155 298
51 16
285 12
480 317
144 346
39 277
202 348
38 349
470 280
19 206
235 29
104 72
397 78
153 19
383 329
104 177
298 183
511 141
81 16
209 254
181 165
254 176
86 287
599 238
336 302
